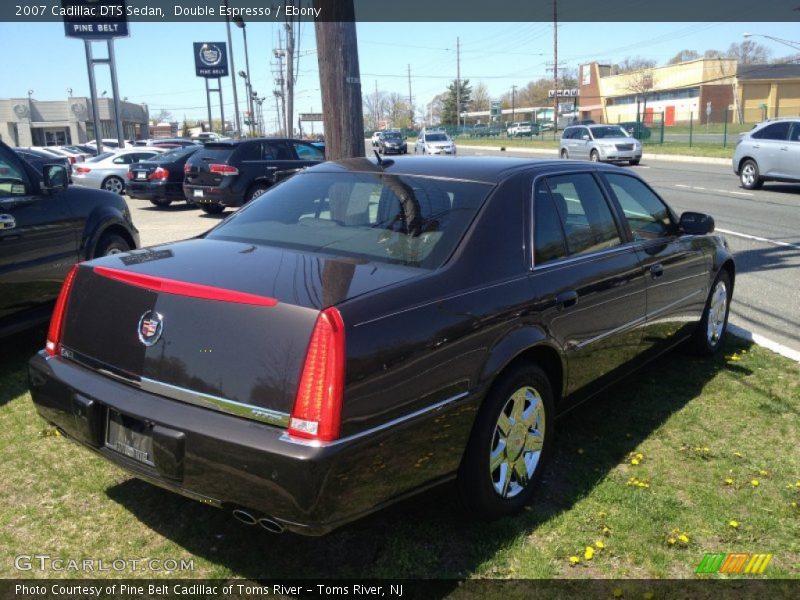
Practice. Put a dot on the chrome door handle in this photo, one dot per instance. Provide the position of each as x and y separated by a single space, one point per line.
656 271
7 222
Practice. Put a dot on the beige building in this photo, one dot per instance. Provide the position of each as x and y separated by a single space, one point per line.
700 89
31 122
767 91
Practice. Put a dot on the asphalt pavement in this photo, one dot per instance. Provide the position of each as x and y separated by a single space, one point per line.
762 228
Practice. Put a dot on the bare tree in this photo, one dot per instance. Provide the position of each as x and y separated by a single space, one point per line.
434 108
632 64
481 99
163 116
748 52
398 112
641 83
375 105
683 56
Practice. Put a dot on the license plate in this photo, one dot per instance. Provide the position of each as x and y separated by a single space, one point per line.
141 175
198 193
130 437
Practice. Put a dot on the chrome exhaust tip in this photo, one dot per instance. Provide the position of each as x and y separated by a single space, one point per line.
271 525
244 516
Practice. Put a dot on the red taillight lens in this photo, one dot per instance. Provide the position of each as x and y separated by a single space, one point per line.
53 344
82 170
186 168
71 159
159 173
317 412
130 175
223 169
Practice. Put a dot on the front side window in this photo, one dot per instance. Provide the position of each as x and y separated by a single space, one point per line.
12 179
587 219
407 220
308 152
648 217
775 131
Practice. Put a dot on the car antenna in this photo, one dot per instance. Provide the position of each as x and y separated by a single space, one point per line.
383 162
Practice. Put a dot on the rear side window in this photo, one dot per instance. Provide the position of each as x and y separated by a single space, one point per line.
548 232
588 223
212 154
308 152
249 151
775 131
413 221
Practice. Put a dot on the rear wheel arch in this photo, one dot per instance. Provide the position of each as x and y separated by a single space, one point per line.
110 230
741 163
730 267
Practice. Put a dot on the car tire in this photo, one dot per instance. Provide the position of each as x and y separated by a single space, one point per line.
564 154
256 191
710 332
594 156
749 175
500 470
212 209
160 202
114 184
111 243
634 162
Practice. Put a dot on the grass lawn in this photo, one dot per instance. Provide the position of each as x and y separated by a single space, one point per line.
687 457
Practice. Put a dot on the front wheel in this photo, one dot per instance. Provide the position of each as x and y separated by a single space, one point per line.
114 184
212 209
634 162
564 154
749 176
509 444
594 156
710 332
109 244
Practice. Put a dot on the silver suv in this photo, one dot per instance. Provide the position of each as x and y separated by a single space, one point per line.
600 142
768 152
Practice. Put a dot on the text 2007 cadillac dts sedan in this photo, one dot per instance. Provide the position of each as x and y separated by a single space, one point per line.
368 329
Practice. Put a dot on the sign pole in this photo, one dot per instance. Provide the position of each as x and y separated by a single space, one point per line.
112 65
221 108
93 93
208 103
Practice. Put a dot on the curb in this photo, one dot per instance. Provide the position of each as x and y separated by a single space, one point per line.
703 160
767 343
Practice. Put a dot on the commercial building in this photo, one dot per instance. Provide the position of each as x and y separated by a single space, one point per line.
767 91
31 122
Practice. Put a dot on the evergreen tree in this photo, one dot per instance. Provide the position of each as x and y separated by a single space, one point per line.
449 113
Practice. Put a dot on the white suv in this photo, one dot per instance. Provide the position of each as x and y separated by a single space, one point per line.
768 152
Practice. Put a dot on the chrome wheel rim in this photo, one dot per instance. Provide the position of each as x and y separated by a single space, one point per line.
748 174
517 442
594 157
717 309
114 184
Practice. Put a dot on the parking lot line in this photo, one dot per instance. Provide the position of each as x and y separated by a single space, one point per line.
758 238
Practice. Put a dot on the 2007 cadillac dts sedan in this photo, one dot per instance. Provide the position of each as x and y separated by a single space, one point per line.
367 329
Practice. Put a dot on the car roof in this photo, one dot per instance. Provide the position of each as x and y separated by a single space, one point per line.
482 169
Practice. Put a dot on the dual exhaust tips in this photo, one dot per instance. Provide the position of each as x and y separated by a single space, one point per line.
267 523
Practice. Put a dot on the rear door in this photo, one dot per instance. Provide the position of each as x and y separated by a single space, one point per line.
674 266
595 291
768 144
789 153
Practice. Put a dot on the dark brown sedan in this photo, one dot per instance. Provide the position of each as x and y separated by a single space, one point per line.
365 330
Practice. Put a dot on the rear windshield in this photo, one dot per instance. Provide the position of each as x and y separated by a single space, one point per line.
400 219
175 154
213 154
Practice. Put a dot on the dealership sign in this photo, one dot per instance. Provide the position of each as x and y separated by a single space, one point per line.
210 59
564 93
94 19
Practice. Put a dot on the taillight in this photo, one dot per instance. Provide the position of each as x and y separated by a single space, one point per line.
317 411
71 160
186 168
131 175
53 345
82 170
223 169
159 173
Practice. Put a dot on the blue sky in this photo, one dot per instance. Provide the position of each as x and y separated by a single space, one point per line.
155 64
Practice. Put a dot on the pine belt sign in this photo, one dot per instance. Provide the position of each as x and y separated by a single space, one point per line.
211 59
94 19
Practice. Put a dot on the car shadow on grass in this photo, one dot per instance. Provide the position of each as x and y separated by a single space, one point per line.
15 350
431 535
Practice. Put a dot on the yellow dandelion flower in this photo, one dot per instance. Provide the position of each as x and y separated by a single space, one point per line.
729 481
794 504
606 531
588 554
734 524
599 544
671 541
601 514
739 454
634 461
754 482
763 473
647 596
617 592
797 484
574 560
683 538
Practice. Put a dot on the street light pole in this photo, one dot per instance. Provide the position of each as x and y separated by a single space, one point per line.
790 43
241 25
233 75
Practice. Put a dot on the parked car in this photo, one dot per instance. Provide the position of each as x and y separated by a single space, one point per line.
346 339
636 129
160 179
39 159
46 226
376 137
392 142
230 173
109 170
434 142
600 143
173 142
58 153
769 152
522 128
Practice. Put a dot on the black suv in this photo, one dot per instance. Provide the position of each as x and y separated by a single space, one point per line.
46 226
230 172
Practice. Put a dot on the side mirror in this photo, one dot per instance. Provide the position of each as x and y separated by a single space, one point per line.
55 178
585 137
695 223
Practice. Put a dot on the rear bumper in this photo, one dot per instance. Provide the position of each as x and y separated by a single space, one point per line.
203 194
232 462
155 190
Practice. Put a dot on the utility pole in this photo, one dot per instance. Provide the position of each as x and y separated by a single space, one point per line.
458 83
513 103
377 108
410 103
289 77
555 65
233 74
340 79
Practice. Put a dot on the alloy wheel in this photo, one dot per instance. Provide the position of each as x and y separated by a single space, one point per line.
717 310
